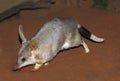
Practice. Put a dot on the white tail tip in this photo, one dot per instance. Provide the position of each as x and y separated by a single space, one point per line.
96 39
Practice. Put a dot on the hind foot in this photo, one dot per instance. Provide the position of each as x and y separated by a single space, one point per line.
87 50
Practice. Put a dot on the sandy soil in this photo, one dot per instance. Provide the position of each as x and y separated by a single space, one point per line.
101 64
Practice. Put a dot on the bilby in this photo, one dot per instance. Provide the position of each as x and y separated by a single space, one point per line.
55 35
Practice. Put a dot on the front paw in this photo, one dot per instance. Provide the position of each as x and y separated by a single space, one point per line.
36 67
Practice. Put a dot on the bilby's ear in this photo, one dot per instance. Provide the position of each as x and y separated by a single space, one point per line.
21 34
33 44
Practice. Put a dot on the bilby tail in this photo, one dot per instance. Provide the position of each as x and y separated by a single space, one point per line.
87 34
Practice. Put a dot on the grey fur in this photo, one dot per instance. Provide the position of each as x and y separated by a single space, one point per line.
55 35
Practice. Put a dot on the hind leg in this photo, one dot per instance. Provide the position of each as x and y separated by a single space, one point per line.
87 50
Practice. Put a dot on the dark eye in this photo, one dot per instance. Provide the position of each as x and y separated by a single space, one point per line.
23 59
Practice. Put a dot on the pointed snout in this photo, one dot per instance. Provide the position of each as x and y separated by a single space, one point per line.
16 68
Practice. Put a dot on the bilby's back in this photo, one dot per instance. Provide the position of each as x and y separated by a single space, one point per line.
58 31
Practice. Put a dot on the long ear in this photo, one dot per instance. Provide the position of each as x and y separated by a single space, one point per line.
21 33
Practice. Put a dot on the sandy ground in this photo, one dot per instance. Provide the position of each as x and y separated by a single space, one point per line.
101 64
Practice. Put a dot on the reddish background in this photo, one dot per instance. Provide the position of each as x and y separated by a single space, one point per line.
101 64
